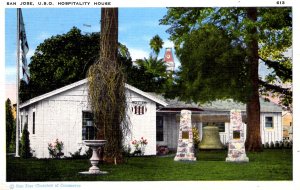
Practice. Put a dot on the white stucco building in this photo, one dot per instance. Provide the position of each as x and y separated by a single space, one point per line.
65 114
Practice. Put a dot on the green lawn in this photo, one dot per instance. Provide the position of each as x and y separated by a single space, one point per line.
270 164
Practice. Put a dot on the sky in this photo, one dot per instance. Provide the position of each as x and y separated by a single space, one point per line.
136 27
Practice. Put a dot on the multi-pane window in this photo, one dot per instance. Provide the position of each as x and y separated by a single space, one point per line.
160 128
88 130
220 125
268 122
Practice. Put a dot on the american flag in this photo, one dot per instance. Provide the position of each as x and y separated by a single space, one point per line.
24 48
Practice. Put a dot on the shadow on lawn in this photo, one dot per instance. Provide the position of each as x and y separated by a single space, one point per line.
39 170
211 155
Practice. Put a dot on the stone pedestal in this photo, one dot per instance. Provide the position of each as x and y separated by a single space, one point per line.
94 145
185 148
236 146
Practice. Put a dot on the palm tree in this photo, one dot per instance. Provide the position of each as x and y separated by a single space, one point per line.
156 44
153 65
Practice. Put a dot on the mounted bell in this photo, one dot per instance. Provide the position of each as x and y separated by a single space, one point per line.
210 138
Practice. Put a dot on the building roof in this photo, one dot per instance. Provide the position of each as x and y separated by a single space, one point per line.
175 104
170 104
227 105
84 81
218 105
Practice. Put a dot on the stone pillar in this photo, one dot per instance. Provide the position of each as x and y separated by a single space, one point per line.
185 148
236 146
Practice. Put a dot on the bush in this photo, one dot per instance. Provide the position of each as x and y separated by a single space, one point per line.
126 151
25 150
196 138
162 150
55 149
139 146
78 155
266 145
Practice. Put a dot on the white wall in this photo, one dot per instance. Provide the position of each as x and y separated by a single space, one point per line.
171 128
271 134
143 125
60 116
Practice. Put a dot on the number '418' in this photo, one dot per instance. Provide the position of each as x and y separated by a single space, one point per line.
280 2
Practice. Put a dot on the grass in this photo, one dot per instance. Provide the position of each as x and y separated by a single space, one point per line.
271 164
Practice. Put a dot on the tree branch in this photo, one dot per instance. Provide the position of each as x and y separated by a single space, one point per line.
275 88
280 70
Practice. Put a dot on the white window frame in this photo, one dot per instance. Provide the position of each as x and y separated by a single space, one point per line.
265 122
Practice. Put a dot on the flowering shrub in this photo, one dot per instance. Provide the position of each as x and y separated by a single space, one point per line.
55 149
139 146
196 138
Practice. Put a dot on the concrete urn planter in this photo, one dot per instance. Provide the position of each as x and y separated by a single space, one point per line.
94 145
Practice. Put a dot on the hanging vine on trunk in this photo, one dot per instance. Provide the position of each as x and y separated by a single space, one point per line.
108 103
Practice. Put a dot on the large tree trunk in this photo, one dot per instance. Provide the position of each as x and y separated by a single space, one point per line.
108 54
253 141
108 45
109 33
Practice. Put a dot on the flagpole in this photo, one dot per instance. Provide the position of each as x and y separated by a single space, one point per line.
17 82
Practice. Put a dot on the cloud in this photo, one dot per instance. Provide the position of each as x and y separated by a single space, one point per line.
168 44
10 71
10 92
10 83
138 53
30 54
43 36
10 74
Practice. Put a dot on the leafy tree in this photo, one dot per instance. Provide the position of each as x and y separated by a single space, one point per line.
25 143
71 54
220 49
224 59
144 80
64 59
156 44
10 125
